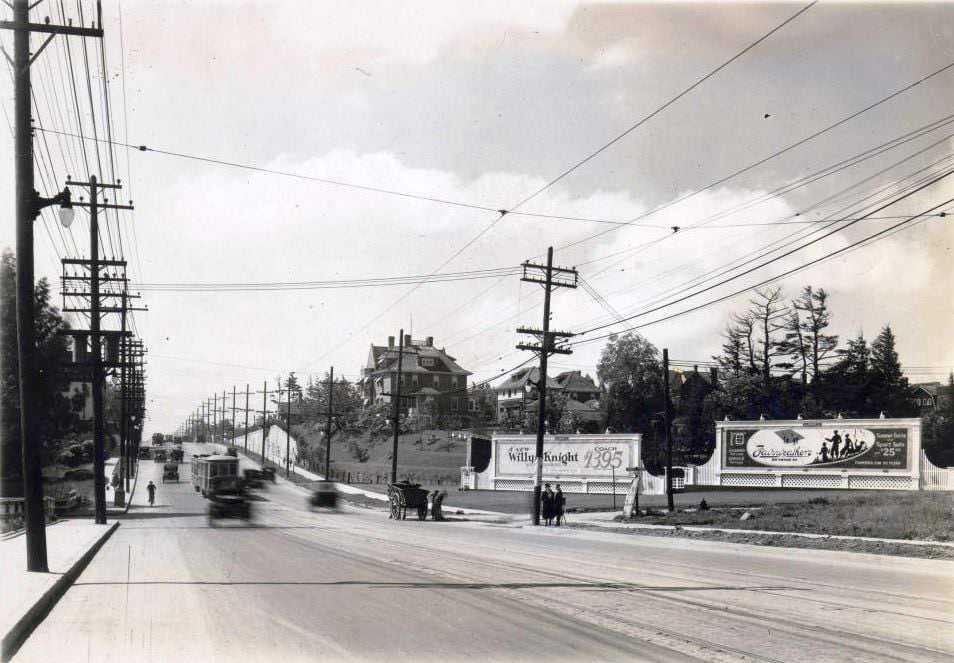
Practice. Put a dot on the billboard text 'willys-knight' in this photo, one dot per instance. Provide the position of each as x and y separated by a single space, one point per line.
564 458
817 447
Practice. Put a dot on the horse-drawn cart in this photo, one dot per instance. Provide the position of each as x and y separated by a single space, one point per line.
404 496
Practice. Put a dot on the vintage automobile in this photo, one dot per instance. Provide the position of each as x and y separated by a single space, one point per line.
254 478
159 455
228 499
177 454
268 473
324 495
170 472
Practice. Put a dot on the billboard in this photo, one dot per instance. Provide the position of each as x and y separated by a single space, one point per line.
827 446
564 457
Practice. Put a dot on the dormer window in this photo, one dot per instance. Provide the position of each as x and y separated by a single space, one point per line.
427 361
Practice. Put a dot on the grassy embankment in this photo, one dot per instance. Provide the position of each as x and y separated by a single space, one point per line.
888 514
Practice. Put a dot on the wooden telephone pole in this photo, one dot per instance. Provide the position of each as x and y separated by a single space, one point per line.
552 277
28 206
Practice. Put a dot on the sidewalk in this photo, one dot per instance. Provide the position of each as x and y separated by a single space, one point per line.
27 597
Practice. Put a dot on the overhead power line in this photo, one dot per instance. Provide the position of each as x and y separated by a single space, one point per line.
827 256
774 155
331 284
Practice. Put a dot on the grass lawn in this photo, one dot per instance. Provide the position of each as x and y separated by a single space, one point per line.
889 515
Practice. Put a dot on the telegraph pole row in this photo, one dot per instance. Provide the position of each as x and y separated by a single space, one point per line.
553 277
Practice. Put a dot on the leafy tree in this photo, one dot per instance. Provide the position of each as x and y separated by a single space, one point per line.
55 415
693 437
845 387
938 428
629 367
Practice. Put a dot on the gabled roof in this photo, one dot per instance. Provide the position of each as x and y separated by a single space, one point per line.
576 381
525 376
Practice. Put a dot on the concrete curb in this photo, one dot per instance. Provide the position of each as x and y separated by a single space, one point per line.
614 525
18 634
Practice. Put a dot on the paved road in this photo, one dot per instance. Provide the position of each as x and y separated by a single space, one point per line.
356 586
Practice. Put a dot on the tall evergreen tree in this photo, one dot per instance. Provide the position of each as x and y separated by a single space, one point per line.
890 390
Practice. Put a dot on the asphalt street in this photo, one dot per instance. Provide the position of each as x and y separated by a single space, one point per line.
354 585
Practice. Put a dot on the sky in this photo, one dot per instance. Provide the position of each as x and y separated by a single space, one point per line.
486 104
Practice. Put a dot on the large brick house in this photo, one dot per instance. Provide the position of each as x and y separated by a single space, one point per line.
427 374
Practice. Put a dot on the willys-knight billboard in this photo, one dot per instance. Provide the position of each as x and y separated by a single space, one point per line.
816 445
566 455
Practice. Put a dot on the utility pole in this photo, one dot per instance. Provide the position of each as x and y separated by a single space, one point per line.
215 411
28 206
245 441
667 420
397 408
553 277
331 395
222 418
288 433
233 414
264 419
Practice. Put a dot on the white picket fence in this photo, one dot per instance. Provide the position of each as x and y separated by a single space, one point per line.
934 477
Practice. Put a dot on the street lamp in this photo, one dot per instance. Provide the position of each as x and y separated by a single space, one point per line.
63 199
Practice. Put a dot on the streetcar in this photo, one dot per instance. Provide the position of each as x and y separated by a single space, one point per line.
206 469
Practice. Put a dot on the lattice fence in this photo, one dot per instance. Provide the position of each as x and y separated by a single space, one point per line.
812 481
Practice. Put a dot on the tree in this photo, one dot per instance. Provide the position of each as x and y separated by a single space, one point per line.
767 314
733 350
693 438
55 415
938 428
889 386
806 343
846 387
629 367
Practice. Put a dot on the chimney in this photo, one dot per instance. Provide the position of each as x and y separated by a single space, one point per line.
390 341
407 340
429 342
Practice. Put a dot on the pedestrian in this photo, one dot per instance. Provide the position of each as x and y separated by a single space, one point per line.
151 489
547 505
559 503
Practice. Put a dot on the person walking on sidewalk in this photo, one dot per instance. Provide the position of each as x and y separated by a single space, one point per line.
151 489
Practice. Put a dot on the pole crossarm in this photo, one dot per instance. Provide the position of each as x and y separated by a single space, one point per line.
51 29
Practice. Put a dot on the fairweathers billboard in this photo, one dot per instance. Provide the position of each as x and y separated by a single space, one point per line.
571 456
825 446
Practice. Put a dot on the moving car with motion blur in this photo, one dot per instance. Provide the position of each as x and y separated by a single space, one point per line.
228 499
324 495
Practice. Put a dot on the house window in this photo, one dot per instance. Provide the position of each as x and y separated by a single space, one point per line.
455 405
414 380
427 361
453 380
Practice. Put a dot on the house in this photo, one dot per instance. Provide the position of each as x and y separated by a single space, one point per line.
931 396
518 394
519 390
428 374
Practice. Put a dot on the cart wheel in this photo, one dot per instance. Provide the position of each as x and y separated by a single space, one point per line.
422 512
395 511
